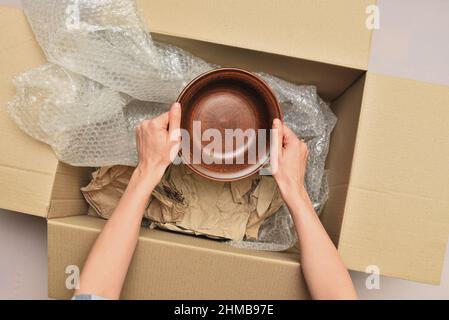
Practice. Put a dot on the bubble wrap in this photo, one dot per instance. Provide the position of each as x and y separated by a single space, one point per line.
107 41
106 75
73 114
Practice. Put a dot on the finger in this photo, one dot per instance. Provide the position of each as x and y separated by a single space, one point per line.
138 140
279 132
276 146
161 121
174 121
289 136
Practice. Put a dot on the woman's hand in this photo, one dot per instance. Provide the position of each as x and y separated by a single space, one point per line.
105 269
325 274
291 162
158 142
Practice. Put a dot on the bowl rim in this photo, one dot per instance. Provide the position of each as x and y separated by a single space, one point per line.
251 75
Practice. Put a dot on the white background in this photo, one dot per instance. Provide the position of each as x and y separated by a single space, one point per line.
413 42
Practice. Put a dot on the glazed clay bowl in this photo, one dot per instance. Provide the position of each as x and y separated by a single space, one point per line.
232 108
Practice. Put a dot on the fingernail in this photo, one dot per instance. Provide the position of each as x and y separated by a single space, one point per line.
177 105
276 123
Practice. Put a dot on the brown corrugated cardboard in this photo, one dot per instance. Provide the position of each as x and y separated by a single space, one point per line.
66 198
339 159
31 178
25 181
397 208
388 171
174 266
327 31
331 80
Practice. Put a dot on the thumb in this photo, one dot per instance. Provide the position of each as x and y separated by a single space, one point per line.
276 138
174 122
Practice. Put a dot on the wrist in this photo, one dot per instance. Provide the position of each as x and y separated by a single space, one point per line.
293 193
301 207
288 186
146 178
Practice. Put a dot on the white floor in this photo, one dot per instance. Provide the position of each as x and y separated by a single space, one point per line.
411 43
23 262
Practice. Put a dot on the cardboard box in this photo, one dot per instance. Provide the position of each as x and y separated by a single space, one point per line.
32 180
388 171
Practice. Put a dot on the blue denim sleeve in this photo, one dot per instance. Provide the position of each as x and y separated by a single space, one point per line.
87 297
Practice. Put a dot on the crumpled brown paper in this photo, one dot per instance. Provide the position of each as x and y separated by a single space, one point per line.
186 202
106 188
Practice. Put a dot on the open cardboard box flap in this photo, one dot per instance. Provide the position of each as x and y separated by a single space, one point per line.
388 173
26 180
327 31
397 207
32 180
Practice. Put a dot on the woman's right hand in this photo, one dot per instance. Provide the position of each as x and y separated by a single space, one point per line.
290 162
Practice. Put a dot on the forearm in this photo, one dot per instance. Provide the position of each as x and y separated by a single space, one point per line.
107 264
325 274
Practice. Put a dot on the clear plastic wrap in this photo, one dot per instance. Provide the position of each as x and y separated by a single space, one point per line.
106 74
82 120
107 41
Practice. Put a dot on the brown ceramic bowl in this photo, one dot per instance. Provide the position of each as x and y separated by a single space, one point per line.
224 99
